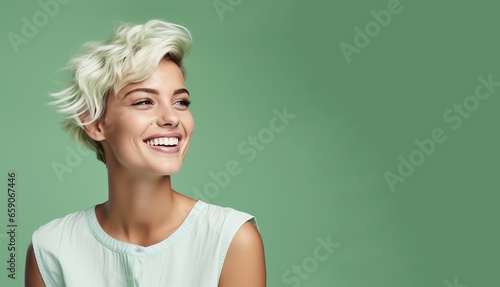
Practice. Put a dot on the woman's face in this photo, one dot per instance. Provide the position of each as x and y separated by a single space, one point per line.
147 126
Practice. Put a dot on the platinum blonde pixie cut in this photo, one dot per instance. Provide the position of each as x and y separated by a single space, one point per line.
130 55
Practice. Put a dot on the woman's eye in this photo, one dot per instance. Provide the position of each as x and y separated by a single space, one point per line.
143 102
184 102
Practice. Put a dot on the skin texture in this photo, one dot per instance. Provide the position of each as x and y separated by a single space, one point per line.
244 265
142 207
32 277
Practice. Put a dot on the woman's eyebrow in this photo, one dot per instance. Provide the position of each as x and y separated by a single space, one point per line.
145 90
181 91
153 91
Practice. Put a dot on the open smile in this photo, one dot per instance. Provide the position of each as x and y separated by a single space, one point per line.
166 143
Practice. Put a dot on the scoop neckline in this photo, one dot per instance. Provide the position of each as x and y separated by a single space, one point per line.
138 250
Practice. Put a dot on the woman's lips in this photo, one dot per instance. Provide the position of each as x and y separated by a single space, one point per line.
165 149
168 142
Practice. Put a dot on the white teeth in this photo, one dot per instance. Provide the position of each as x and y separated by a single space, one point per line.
163 141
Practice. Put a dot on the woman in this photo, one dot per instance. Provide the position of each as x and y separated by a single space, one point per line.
128 102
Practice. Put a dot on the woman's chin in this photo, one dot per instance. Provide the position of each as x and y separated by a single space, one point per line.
163 171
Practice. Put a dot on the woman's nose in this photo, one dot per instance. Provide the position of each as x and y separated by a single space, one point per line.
167 116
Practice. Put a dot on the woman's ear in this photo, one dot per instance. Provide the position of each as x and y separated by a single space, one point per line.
94 130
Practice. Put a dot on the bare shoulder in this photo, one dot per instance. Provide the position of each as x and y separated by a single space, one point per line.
32 277
244 264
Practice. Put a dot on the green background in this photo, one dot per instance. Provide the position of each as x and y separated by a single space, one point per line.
322 176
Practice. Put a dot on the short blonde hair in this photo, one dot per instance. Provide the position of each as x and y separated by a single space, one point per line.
130 55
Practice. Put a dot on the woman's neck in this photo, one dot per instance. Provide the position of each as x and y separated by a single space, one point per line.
142 209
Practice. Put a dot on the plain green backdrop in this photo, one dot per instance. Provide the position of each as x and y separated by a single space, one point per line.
361 85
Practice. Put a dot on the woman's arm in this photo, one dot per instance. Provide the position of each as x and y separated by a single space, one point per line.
244 265
32 277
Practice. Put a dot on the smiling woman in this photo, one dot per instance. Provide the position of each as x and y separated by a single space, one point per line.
129 103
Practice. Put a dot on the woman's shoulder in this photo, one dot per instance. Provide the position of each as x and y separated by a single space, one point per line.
54 241
217 225
63 221
224 217
213 214
52 232
222 210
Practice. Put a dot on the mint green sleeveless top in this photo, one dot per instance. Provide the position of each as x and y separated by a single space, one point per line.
74 251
